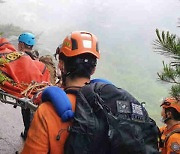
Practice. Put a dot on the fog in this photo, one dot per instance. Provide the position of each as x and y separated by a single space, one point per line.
125 30
113 21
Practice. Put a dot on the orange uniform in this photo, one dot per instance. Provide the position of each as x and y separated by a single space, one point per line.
45 128
172 146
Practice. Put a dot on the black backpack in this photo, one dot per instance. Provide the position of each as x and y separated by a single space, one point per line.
108 120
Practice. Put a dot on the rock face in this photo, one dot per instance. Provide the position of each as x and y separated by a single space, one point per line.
11 125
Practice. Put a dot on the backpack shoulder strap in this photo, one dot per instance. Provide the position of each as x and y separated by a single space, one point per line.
91 93
72 90
90 89
171 133
86 90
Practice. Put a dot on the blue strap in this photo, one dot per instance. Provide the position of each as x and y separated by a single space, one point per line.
60 101
100 80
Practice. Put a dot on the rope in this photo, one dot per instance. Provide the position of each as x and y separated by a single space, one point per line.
33 88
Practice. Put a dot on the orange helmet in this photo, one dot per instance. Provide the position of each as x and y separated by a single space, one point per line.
79 42
171 102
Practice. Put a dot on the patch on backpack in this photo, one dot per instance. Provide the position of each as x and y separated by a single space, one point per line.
137 109
175 146
123 106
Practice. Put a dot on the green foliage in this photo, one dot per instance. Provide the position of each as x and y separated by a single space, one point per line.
175 90
169 45
170 74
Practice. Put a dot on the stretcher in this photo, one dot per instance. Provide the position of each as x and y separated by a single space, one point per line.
15 101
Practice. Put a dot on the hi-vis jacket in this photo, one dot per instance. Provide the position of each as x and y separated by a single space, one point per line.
172 145
47 133
18 70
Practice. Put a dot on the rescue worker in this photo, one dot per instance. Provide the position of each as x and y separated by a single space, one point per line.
77 62
171 131
26 42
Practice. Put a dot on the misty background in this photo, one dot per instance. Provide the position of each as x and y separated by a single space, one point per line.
125 31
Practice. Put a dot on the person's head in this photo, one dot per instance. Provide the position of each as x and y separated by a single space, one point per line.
170 109
26 41
78 55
